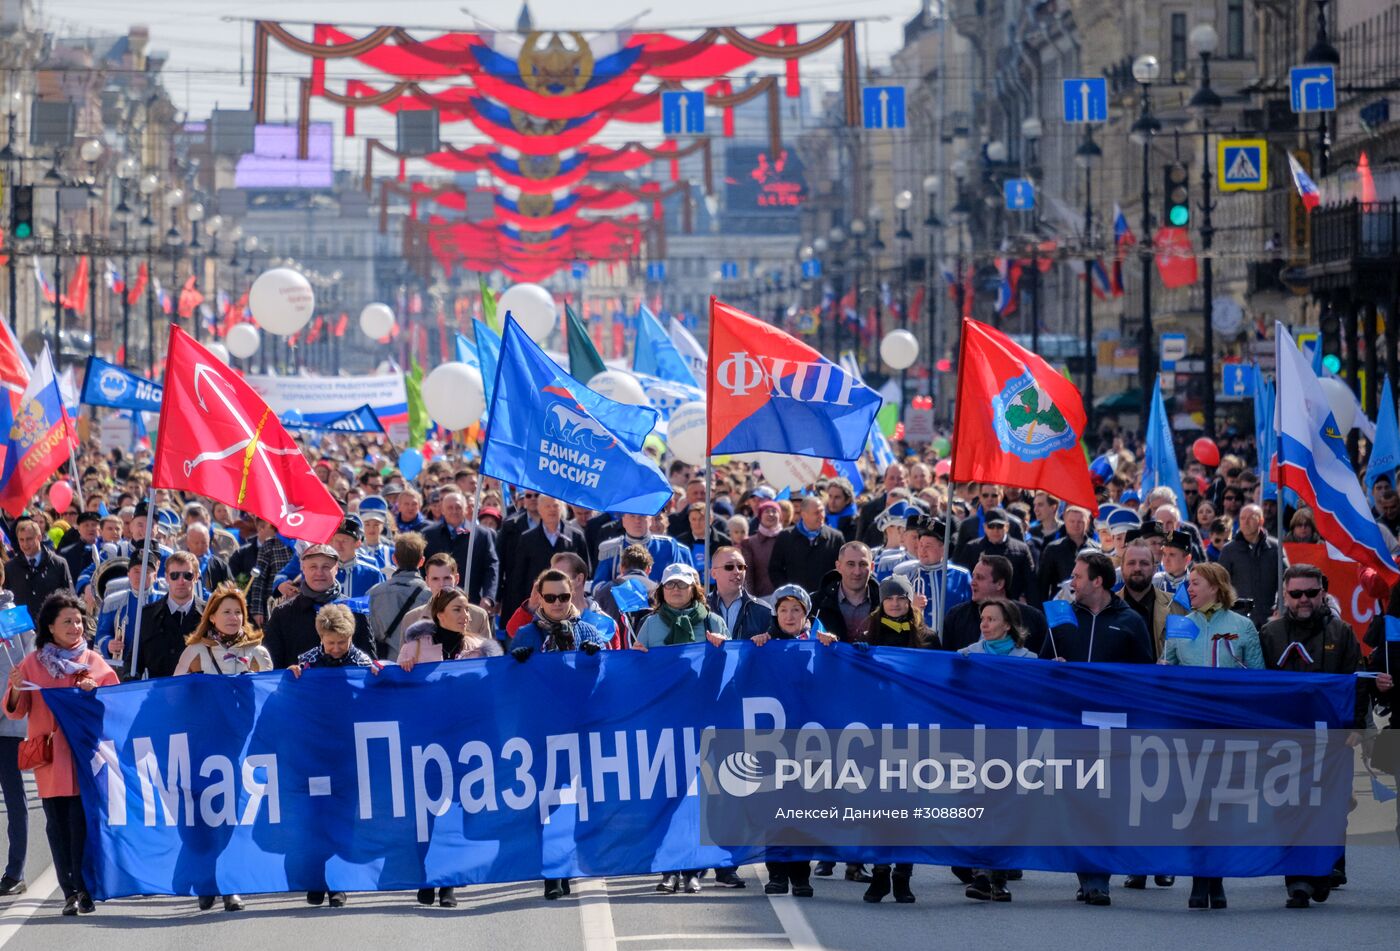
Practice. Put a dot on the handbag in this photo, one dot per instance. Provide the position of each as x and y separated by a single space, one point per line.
35 751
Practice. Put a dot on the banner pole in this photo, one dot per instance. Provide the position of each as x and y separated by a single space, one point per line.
705 581
471 540
130 664
948 507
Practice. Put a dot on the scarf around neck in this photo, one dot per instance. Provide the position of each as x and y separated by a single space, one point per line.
767 532
1001 646
833 519
808 533
62 663
558 635
319 598
681 625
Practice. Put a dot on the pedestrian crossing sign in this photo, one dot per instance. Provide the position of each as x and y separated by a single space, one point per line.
1243 165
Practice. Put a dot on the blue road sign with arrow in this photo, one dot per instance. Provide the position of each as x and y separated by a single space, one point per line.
1020 194
1313 88
683 113
882 107
1085 99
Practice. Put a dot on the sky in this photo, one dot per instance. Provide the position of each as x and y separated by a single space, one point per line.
208 55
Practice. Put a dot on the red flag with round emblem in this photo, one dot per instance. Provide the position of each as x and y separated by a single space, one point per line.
1017 421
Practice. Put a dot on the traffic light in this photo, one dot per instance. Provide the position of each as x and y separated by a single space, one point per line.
22 211
1331 340
1177 191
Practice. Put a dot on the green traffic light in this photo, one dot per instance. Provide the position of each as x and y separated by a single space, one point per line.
22 230
1179 215
1332 362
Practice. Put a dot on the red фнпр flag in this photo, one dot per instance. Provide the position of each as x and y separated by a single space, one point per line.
218 438
1018 420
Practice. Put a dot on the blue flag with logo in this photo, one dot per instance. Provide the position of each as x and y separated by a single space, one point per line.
552 434
1058 612
1181 628
1159 468
656 355
106 384
15 621
1385 451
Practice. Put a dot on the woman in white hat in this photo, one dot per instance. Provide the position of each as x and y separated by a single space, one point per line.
679 615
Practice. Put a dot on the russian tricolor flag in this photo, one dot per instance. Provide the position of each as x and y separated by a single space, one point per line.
1307 188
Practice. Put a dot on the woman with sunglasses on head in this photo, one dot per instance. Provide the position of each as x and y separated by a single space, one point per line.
61 658
445 636
1219 638
556 626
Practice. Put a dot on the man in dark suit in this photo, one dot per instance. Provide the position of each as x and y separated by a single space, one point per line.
996 540
517 523
166 623
79 554
35 573
453 535
213 569
534 549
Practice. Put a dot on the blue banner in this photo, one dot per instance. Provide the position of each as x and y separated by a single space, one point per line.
106 384
551 433
362 420
571 765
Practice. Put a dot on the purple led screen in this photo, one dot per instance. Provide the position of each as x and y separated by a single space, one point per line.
273 163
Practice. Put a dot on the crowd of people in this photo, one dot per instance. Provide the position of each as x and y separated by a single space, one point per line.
454 566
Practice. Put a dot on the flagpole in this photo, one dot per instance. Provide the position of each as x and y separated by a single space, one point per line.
705 582
471 539
952 472
141 594
1277 473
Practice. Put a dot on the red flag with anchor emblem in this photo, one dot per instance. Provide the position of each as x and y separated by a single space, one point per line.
219 439
1018 422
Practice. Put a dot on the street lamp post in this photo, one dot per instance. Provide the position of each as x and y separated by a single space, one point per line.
836 239
857 264
1146 69
126 169
54 176
1204 103
14 169
147 187
1031 131
1323 52
934 225
902 203
960 214
90 152
1087 157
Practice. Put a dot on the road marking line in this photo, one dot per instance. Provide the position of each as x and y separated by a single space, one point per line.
595 914
709 936
790 916
20 910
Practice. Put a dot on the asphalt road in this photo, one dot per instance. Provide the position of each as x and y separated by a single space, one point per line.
626 914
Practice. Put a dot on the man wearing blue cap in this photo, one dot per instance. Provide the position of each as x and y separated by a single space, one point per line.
374 516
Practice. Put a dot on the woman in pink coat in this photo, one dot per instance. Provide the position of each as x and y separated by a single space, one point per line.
447 635
61 658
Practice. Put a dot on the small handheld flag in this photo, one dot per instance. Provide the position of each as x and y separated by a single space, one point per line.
1181 628
1058 612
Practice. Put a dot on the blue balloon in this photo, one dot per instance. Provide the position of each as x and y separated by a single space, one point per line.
410 463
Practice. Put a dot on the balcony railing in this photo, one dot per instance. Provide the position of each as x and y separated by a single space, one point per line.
1356 232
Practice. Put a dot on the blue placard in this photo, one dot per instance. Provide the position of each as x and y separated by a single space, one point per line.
683 113
812 268
1019 193
656 271
1181 628
1237 379
729 270
1085 99
1392 629
14 622
1312 88
1059 612
882 107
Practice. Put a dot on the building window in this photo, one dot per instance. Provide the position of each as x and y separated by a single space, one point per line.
1178 52
1234 29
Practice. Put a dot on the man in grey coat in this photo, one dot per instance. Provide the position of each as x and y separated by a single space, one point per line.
392 600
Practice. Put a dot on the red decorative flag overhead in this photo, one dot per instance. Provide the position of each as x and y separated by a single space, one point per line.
218 438
1018 420
1176 259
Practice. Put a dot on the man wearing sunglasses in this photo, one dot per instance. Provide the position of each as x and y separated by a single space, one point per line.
166 623
1311 638
743 614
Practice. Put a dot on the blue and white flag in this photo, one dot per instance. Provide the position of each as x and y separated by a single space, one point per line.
655 353
667 395
1313 461
362 420
106 384
1265 439
880 449
689 348
1159 468
552 434
1385 451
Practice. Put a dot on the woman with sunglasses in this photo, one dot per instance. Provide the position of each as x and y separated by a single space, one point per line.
444 635
1217 637
556 626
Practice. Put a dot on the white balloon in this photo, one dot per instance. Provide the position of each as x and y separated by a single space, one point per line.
685 433
218 350
899 349
1342 403
376 321
789 472
619 387
243 340
454 395
282 301
533 309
